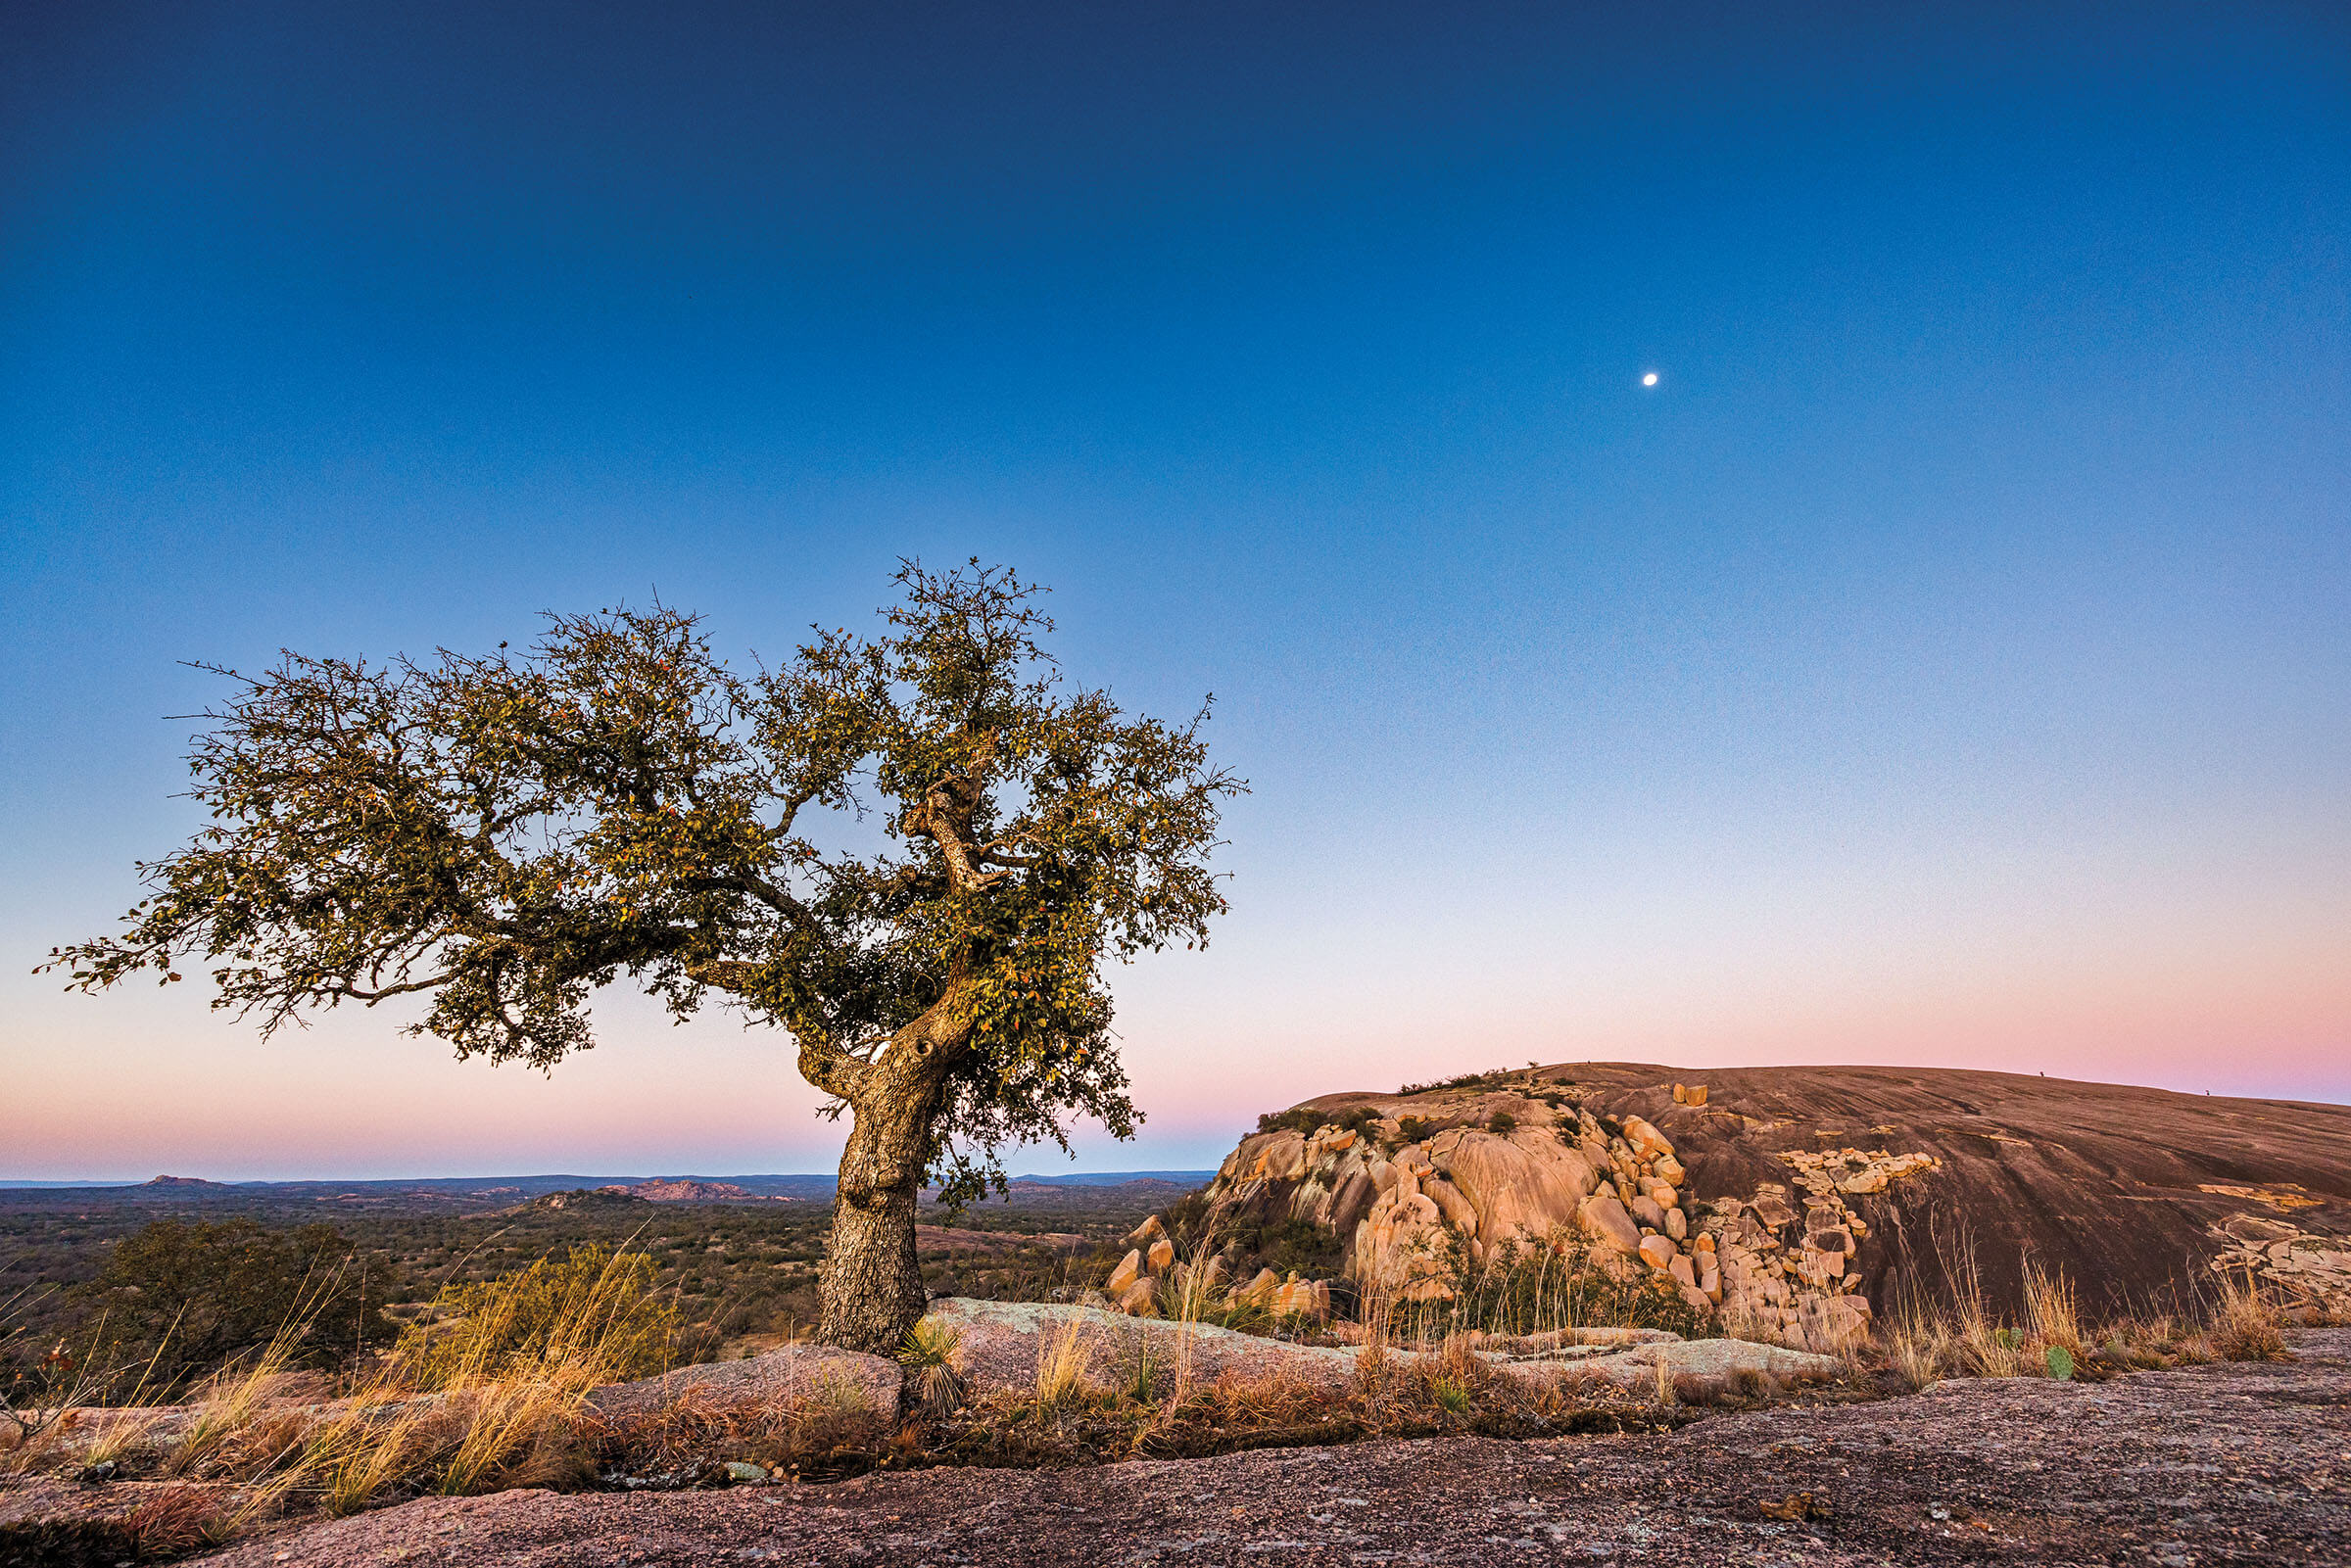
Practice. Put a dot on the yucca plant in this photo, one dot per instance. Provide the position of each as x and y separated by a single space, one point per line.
932 1355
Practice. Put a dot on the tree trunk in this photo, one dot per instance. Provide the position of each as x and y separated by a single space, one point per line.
872 1282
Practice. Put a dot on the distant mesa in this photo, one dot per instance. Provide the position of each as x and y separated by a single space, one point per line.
186 1183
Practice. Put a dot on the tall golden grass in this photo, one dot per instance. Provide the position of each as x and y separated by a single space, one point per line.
2245 1324
1065 1356
1964 1338
1526 1288
492 1391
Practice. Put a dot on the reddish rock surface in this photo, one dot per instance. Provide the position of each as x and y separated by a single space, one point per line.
779 1376
999 1344
2107 1183
2205 1465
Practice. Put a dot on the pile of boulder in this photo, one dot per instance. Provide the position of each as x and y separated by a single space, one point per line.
1788 1276
1134 1285
1418 1209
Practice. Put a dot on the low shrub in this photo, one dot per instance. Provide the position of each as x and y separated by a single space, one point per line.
188 1294
1304 1119
1493 1077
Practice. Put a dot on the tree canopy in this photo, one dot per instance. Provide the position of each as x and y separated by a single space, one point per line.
924 836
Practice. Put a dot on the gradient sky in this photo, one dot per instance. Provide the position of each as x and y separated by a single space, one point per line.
1949 662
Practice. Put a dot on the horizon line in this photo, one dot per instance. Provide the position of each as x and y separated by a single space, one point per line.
54 1184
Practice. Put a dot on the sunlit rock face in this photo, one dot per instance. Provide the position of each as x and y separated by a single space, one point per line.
1799 1203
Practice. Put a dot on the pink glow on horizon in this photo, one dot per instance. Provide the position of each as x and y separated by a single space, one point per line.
713 1099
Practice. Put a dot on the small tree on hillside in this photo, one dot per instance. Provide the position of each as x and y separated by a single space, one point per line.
504 834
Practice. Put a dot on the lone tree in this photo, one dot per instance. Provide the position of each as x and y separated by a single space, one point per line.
505 835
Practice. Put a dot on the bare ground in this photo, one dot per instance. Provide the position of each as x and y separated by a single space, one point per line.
2234 1463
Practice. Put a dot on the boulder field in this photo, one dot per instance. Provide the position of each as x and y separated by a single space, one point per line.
1803 1203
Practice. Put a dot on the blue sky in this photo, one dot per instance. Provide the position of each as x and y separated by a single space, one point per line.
1944 662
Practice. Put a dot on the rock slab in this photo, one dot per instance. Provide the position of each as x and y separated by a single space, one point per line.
2215 1465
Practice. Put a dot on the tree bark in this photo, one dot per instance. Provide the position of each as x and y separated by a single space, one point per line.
872 1282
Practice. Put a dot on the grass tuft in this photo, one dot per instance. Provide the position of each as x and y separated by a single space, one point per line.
2246 1325
1065 1356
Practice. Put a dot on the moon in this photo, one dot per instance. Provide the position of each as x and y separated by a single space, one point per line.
1650 380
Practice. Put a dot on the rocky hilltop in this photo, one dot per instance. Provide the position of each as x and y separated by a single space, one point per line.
1802 1203
692 1190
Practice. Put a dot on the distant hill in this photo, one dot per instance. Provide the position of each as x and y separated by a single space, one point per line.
1119 1179
479 1192
26 1184
690 1190
592 1198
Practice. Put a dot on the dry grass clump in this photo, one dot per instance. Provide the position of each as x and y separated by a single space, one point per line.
492 1391
2246 1325
228 1427
1453 1380
1918 1346
593 1309
1278 1397
2241 1323
492 1395
1065 1356
2050 1318
829 1426
177 1520
1524 1289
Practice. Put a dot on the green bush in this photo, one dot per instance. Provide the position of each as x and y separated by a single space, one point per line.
208 1291
1501 1121
1316 1252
